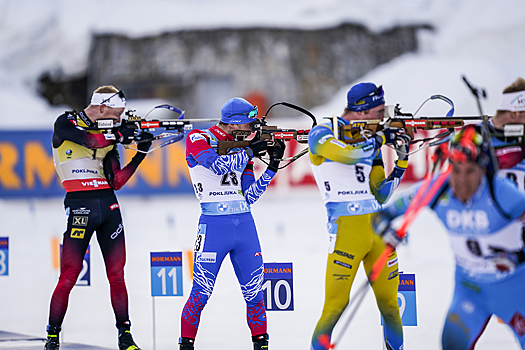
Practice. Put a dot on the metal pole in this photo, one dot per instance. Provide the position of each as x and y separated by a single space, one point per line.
154 333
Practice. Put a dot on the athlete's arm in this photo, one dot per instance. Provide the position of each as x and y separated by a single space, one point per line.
252 189
383 188
510 199
323 145
66 130
197 145
116 176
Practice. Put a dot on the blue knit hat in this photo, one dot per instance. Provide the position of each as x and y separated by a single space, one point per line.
364 96
238 111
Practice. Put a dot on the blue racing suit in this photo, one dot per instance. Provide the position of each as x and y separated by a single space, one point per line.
226 187
481 234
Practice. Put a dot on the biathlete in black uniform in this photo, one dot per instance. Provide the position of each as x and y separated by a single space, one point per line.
87 162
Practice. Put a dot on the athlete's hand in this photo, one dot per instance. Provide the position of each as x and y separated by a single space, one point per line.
402 145
388 135
256 148
276 152
503 260
145 140
382 226
125 135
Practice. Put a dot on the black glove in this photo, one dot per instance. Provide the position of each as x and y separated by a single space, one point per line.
402 146
256 148
388 135
144 141
125 135
276 152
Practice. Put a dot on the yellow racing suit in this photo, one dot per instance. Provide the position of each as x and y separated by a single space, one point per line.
351 179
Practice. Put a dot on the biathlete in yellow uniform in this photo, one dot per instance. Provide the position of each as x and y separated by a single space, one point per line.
352 182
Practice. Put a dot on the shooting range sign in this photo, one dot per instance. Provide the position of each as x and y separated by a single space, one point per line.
166 274
278 286
4 256
406 298
84 278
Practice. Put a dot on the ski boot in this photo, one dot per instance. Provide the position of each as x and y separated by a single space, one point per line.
125 340
52 342
260 342
186 343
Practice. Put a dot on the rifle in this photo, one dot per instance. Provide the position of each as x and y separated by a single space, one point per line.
141 125
408 121
269 133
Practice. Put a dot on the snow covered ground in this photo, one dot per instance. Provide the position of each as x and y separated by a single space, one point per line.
291 228
482 39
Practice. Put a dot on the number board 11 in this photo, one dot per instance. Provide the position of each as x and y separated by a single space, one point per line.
166 274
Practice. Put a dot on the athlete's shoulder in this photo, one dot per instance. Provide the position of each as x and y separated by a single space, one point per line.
196 135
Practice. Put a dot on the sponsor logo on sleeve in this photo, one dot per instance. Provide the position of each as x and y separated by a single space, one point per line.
324 139
338 143
197 137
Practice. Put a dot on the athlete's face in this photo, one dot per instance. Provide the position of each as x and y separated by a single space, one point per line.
376 113
465 179
229 128
110 113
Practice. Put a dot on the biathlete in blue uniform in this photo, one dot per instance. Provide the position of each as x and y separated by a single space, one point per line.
226 187
481 213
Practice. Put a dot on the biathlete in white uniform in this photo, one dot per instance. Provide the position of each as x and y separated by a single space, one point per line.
510 149
480 213
226 187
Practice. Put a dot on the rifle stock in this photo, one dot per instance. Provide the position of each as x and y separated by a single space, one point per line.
267 133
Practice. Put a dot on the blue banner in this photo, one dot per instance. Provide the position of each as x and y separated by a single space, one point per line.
406 298
278 287
166 274
4 256
27 168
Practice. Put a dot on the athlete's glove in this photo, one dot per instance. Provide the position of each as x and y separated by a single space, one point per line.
503 260
388 135
144 141
276 152
256 148
382 225
402 146
125 135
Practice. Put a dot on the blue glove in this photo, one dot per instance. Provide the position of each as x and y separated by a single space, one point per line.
382 225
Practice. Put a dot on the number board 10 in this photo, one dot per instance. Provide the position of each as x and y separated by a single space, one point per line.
278 286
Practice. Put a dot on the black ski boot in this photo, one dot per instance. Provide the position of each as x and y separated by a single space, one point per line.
260 342
125 340
186 343
52 342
